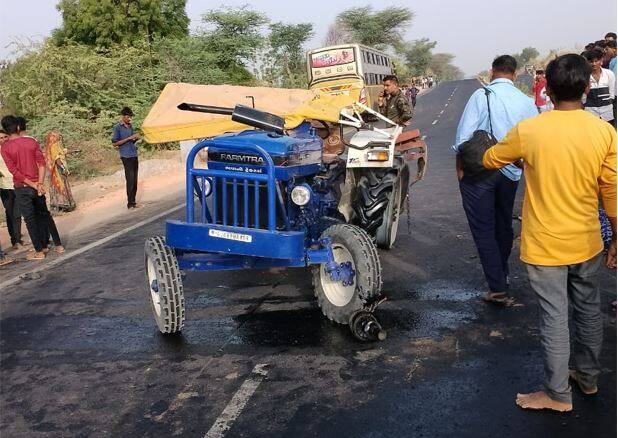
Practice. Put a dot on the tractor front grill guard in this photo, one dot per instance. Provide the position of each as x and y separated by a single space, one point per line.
217 184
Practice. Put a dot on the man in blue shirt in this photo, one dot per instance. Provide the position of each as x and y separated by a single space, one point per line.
488 203
124 138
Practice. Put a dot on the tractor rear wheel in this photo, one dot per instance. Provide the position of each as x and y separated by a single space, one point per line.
386 234
165 285
352 245
379 199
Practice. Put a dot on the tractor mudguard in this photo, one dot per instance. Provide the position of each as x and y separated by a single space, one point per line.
413 148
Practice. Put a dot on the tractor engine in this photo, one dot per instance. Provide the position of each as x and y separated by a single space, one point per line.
307 188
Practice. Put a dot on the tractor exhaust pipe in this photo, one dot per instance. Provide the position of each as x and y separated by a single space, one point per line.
241 114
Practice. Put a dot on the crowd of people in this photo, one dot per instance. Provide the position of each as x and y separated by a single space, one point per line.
564 142
424 82
601 99
28 173
24 196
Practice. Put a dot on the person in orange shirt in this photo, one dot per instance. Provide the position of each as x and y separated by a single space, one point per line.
569 159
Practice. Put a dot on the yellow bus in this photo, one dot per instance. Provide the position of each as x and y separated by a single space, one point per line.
350 69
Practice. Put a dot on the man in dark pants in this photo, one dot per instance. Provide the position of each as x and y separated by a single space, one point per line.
489 203
9 201
124 138
25 161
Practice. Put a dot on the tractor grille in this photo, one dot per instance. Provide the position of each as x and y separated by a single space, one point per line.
237 202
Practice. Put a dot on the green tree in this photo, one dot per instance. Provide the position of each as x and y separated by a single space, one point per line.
285 59
418 55
525 56
235 36
103 23
441 65
379 29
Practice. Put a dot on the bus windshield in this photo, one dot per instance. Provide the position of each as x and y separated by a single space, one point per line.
331 63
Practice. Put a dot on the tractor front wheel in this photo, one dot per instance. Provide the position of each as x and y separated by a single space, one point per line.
165 285
353 248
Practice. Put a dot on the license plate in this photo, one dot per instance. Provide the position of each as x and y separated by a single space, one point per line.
247 238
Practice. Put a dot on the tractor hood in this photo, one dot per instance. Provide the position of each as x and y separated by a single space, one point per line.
165 122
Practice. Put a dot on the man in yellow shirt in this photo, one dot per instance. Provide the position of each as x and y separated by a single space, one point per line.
569 158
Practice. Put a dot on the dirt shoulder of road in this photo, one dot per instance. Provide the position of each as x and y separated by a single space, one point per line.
102 200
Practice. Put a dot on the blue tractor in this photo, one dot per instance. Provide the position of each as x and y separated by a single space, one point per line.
271 198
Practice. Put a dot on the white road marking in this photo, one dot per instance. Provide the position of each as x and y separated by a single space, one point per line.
234 408
441 112
446 104
434 122
63 258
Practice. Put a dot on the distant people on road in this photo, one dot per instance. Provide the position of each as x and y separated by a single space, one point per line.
25 161
124 138
600 97
570 158
538 89
413 95
9 200
392 102
488 202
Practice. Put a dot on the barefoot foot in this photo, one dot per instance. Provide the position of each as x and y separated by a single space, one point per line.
540 400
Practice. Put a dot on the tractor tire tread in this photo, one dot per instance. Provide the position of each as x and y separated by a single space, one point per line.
170 285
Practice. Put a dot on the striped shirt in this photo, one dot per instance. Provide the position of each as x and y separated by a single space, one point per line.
602 93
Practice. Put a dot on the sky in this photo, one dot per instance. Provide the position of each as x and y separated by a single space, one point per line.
475 31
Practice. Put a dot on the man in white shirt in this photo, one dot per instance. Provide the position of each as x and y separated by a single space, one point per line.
599 100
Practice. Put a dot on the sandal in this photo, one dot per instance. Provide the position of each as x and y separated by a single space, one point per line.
496 297
44 250
59 249
35 256
6 260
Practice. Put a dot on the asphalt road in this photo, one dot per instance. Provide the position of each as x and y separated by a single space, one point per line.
81 356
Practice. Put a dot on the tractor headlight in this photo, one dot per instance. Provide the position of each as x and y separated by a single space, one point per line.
301 195
378 155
